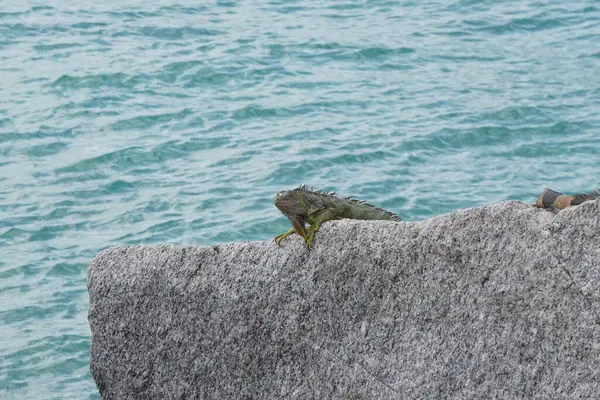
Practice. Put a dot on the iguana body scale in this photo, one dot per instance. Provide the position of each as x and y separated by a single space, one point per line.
304 206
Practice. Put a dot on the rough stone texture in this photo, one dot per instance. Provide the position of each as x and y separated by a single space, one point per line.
495 302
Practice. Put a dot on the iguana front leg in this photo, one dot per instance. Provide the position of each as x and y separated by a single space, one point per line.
279 238
323 216
297 226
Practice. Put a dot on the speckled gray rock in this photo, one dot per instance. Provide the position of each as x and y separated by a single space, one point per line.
495 302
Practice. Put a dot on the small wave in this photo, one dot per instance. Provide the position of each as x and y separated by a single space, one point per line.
43 132
13 14
132 15
14 234
452 139
42 8
47 233
513 115
136 156
205 77
304 84
65 269
157 205
595 55
83 176
182 10
231 162
29 313
346 6
305 169
88 25
534 24
180 67
163 232
49 149
43 47
288 9
149 121
175 33
566 128
377 52
255 111
94 81
118 186
33 9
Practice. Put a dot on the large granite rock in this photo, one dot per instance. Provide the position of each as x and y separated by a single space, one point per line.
495 302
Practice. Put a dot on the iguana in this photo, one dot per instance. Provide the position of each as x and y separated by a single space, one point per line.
555 200
304 205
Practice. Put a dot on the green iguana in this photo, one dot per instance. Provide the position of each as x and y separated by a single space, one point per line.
555 200
304 205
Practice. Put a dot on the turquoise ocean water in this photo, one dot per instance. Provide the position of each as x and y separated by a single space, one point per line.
177 121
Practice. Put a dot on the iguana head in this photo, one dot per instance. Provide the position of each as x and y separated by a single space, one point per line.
297 205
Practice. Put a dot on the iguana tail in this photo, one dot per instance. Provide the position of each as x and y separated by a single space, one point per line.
580 198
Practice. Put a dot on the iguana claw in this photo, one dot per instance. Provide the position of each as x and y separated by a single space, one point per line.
279 238
310 235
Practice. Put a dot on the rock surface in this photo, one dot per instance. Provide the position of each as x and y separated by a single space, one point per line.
495 302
